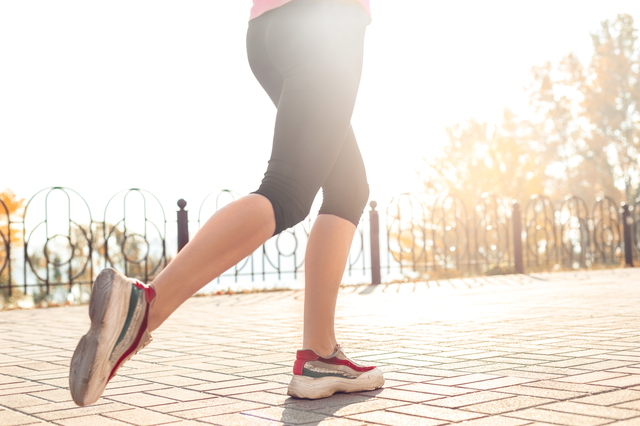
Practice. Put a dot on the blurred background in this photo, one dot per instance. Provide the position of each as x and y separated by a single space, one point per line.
159 95
461 98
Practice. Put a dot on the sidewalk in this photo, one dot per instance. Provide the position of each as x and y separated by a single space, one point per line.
561 349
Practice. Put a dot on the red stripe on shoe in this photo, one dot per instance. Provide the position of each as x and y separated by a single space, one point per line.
336 361
135 344
149 292
301 358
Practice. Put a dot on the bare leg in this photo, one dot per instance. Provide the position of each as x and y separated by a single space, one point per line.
325 260
230 235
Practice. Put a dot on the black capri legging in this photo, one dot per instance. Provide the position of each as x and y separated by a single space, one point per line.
307 55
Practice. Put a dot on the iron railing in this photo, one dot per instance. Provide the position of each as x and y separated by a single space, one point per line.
57 241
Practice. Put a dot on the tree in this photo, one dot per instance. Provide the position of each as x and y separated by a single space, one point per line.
612 100
583 139
10 211
573 166
505 160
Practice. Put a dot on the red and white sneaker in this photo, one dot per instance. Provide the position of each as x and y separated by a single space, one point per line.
119 311
318 377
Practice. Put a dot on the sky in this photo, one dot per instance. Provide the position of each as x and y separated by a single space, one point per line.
103 96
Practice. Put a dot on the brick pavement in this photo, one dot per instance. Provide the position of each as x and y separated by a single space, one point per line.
548 349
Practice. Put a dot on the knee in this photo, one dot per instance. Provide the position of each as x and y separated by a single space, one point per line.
291 203
347 202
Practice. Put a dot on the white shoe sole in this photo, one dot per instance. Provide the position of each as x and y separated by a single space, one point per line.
90 367
322 387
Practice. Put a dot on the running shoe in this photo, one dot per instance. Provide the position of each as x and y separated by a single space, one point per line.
119 310
316 377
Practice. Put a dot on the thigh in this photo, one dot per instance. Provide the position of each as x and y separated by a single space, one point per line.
310 64
348 177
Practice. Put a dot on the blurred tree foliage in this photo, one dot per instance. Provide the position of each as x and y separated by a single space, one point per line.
505 160
583 138
10 212
13 212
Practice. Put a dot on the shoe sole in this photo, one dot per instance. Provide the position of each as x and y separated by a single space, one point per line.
313 388
90 367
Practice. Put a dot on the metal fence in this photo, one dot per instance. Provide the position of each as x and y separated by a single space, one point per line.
431 235
59 243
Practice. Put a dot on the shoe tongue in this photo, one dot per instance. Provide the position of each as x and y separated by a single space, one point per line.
336 349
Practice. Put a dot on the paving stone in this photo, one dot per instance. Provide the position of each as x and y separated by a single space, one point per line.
438 413
611 398
557 417
141 400
468 399
238 419
633 405
193 405
21 400
497 383
574 387
56 406
435 389
244 389
335 402
337 421
56 395
621 382
388 418
359 407
527 374
94 420
592 410
496 421
265 398
211 386
141 417
75 411
629 422
401 395
286 414
460 380
207 411
410 378
590 377
127 390
11 418
4 379
180 394
540 392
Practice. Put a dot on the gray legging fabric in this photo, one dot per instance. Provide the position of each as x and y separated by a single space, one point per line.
307 55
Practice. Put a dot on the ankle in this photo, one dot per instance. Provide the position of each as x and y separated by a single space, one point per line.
153 318
324 349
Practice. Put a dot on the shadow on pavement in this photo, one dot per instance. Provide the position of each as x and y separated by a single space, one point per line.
314 412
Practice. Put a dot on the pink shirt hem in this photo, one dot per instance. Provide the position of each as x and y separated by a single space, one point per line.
262 6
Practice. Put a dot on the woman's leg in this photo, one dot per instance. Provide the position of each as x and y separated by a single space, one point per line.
124 311
325 259
230 235
308 57
345 192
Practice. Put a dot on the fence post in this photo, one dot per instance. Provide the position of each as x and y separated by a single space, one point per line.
183 224
627 221
374 229
516 218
